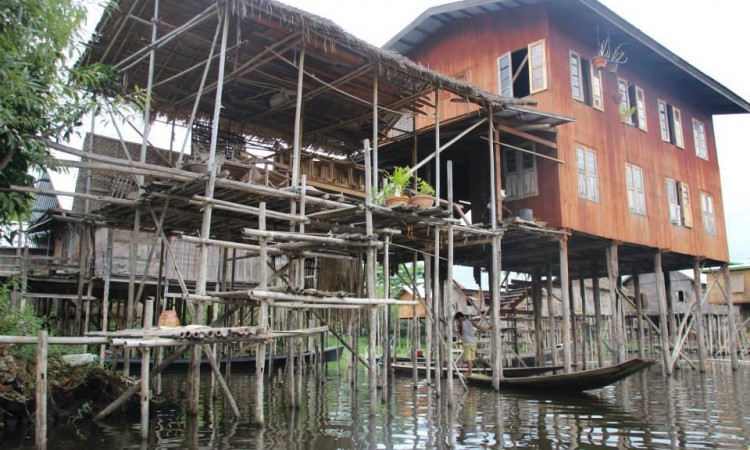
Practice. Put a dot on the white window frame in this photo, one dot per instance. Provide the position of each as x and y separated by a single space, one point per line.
699 136
640 108
500 88
622 88
522 182
664 121
542 65
673 200
708 212
588 173
636 189
576 76
597 97
679 139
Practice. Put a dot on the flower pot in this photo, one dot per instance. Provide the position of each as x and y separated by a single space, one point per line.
599 62
396 200
612 67
624 118
422 202
168 318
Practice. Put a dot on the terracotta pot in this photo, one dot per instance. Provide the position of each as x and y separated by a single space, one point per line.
396 200
168 318
599 62
422 202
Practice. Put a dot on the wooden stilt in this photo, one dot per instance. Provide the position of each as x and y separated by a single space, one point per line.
662 303
414 324
536 299
732 327
370 283
386 319
551 313
448 305
105 294
575 345
639 311
260 354
597 315
148 320
698 315
584 324
41 391
428 274
565 303
436 300
618 330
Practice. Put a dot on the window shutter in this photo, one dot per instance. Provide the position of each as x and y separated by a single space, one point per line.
687 210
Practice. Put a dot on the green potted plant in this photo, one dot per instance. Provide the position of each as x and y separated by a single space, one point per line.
599 60
425 196
625 113
398 179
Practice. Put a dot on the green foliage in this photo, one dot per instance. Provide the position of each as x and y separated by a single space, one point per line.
399 178
425 188
40 96
15 322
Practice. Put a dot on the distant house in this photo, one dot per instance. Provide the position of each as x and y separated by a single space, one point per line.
740 285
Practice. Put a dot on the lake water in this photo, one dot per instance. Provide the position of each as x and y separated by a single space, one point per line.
648 410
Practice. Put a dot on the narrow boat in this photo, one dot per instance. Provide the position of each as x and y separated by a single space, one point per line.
508 372
244 363
584 380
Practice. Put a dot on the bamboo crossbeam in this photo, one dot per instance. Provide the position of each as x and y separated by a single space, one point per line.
54 340
100 198
256 250
282 296
236 207
167 342
348 240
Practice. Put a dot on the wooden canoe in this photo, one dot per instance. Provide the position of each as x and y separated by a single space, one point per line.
567 382
508 372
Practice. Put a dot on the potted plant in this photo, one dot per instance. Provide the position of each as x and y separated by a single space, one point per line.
398 179
616 58
625 113
425 196
599 60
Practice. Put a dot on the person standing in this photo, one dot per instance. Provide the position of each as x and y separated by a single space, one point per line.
466 331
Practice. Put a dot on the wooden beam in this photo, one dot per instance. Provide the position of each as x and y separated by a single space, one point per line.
529 136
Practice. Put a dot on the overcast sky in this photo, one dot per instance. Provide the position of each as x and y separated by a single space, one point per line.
710 35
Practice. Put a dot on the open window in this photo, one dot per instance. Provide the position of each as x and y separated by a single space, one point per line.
699 136
523 72
588 176
707 208
585 82
636 189
680 209
670 123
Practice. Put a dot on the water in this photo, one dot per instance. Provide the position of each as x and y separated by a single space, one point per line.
645 411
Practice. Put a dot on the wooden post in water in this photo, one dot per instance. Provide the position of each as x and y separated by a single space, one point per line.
41 391
698 315
414 324
662 302
730 316
584 324
260 352
639 311
436 313
386 317
370 283
448 287
573 325
428 274
148 320
613 274
597 315
536 299
565 300
551 313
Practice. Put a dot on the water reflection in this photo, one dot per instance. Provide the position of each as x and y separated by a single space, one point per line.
649 410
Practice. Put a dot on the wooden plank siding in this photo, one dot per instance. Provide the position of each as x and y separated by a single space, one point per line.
474 44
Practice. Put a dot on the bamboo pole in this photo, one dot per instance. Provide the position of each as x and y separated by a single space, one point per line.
496 216
222 383
260 359
436 299
584 324
551 313
597 314
618 331
298 121
370 282
639 311
386 319
536 300
448 305
148 319
428 274
414 324
41 391
105 295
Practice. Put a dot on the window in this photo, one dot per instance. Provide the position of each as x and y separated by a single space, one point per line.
538 63
576 77
505 76
640 108
636 191
707 207
519 174
623 88
523 72
677 128
596 88
678 197
588 178
699 136
664 122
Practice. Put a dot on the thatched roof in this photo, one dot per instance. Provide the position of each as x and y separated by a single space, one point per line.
265 39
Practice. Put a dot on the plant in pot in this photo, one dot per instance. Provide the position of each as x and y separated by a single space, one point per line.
398 179
425 196
616 58
625 113
599 60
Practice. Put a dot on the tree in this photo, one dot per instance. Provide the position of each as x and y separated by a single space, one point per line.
41 97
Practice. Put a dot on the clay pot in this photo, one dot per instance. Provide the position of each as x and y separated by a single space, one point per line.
168 318
422 202
599 62
396 200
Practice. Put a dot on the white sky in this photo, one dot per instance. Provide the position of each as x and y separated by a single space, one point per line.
710 35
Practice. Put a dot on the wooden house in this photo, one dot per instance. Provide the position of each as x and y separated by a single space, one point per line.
739 286
632 182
